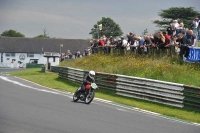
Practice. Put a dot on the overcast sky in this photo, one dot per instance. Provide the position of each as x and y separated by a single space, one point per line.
73 19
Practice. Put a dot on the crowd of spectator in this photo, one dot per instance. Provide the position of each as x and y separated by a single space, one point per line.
76 54
175 37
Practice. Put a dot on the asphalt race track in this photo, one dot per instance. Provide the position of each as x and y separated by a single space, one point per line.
26 107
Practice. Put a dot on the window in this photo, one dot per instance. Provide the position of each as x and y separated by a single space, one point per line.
7 54
10 54
30 55
13 54
33 61
54 59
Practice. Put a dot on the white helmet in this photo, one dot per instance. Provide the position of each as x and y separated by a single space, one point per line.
91 74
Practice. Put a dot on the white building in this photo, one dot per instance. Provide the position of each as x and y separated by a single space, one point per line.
17 60
16 52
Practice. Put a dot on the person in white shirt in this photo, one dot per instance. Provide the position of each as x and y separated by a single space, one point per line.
176 26
198 28
195 29
123 46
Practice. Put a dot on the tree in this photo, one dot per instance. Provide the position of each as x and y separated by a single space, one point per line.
44 35
109 28
145 32
185 14
12 33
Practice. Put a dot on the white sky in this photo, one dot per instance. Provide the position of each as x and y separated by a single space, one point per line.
74 19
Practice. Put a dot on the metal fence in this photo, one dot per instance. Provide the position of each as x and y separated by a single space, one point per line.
152 51
168 93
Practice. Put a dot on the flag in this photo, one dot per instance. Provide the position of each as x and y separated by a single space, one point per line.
100 27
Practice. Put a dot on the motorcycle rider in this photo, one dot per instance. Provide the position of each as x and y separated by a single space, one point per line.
88 79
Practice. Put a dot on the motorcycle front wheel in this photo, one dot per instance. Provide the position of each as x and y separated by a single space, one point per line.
76 96
89 97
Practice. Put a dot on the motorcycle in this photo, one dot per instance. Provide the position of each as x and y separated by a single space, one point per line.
87 96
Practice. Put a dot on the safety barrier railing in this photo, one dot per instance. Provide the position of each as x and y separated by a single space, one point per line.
154 51
54 69
151 90
191 97
168 93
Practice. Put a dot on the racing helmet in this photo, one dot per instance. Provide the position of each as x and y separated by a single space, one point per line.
91 74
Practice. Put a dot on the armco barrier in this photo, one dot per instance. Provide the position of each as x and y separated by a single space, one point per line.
106 81
151 90
191 97
31 65
54 69
177 95
74 75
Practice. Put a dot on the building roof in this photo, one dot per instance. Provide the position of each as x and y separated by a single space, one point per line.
40 45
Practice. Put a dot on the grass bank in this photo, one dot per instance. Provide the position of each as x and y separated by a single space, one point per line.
165 69
51 80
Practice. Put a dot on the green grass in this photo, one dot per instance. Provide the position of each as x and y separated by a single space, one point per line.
51 80
46 79
165 69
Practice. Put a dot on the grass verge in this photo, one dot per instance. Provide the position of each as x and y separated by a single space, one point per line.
51 80
158 68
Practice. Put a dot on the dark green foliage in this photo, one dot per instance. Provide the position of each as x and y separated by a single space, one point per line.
42 36
109 28
12 33
185 14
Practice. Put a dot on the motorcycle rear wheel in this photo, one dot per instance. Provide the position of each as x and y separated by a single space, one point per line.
89 97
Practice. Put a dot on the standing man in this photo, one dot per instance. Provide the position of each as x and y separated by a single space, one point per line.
176 26
170 30
193 38
131 40
198 28
124 45
184 49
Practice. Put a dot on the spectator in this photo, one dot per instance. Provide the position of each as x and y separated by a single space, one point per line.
123 46
102 44
199 29
113 44
167 39
181 27
193 39
170 30
91 43
147 44
175 43
95 46
131 40
86 52
117 44
195 26
153 41
161 40
184 50
136 43
78 54
176 26
108 46
140 44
